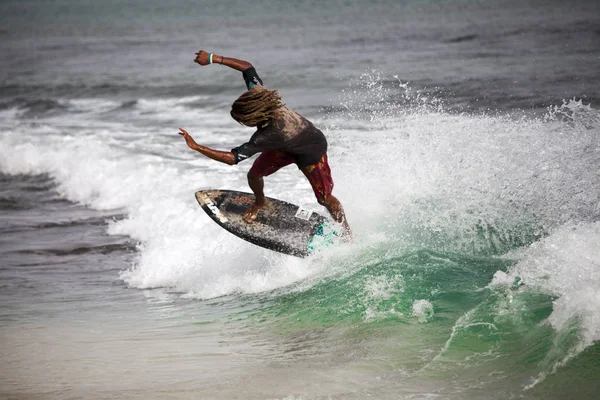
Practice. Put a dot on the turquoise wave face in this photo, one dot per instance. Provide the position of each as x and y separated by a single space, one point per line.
426 317
386 289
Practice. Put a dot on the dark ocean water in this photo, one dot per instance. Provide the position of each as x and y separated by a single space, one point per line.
465 146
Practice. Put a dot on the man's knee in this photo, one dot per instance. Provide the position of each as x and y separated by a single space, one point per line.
252 176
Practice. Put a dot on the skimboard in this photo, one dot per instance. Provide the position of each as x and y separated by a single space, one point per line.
279 226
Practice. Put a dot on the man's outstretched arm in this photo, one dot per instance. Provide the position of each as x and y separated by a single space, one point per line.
226 157
206 58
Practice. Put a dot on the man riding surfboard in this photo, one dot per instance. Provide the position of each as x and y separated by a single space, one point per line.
282 137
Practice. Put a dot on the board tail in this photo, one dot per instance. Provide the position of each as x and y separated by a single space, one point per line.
325 235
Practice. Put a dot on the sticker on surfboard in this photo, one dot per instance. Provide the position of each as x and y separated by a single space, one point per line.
303 214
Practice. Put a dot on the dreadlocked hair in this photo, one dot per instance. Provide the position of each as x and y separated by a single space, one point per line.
256 105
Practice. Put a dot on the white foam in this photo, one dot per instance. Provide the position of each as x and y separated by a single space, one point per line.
179 108
450 178
567 265
180 247
92 105
383 287
422 310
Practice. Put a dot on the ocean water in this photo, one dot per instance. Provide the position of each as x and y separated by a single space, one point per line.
464 144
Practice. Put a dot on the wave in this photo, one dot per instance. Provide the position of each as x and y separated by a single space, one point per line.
102 249
575 27
565 266
453 313
111 90
102 111
33 108
12 203
11 195
460 39
469 183
508 322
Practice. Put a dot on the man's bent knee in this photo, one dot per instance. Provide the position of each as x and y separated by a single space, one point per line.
252 177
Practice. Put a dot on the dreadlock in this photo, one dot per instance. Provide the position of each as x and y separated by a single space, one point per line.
256 105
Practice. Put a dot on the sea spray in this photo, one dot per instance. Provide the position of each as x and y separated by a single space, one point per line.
466 182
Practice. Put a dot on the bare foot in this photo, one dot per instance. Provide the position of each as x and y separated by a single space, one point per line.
251 213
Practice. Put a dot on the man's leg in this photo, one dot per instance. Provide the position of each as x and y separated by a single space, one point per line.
333 205
266 164
257 184
319 176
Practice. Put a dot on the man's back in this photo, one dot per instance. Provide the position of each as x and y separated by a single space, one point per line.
294 134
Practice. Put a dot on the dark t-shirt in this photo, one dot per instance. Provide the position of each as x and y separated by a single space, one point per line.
290 132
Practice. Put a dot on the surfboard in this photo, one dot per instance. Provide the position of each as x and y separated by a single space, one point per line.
280 226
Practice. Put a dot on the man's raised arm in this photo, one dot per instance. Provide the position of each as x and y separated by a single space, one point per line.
249 73
205 58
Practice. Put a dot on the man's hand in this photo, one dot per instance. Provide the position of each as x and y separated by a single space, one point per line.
188 139
226 157
202 58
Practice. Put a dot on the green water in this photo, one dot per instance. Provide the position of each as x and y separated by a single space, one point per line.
419 318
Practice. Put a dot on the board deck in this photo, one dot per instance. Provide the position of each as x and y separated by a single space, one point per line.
280 226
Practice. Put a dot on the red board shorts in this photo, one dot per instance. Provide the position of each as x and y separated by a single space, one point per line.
319 174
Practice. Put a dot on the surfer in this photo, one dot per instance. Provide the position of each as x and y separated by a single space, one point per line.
282 137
